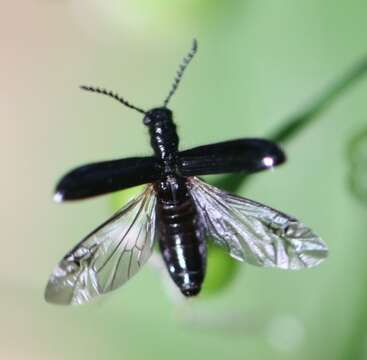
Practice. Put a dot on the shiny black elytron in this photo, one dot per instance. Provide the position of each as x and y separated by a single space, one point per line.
177 210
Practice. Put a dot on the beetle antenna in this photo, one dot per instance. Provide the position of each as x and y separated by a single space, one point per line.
185 62
113 95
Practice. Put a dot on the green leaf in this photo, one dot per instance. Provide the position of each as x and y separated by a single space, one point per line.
120 198
221 270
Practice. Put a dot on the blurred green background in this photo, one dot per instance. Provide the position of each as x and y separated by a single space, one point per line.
259 62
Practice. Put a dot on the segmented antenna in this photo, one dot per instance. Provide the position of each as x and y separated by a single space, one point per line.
113 95
185 62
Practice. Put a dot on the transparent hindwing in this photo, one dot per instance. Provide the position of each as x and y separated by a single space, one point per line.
255 233
109 256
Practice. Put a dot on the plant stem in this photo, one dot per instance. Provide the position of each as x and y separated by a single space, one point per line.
296 123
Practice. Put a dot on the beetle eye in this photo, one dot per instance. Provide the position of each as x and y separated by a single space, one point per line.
147 120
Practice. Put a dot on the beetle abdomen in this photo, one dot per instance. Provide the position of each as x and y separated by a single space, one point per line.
181 237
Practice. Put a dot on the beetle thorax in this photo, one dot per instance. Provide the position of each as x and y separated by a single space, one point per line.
164 140
163 135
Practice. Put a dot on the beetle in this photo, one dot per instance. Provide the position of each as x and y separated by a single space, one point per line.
178 210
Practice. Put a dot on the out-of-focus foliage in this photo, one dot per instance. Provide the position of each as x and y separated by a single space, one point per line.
221 270
120 198
357 162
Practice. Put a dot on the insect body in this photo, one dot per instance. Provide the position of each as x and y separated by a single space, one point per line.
177 210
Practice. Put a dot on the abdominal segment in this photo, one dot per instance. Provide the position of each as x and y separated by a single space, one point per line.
181 238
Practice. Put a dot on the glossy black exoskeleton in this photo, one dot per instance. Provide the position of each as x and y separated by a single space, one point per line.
181 234
177 210
181 237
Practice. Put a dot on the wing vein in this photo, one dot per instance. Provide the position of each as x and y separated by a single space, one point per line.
255 233
123 238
